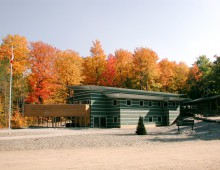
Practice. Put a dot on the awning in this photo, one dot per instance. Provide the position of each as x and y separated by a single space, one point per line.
142 97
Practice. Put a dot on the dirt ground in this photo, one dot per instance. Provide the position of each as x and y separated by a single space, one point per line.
195 155
181 151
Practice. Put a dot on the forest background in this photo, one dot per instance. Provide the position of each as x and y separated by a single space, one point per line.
42 73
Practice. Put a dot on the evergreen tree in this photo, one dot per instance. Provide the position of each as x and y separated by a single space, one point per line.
141 128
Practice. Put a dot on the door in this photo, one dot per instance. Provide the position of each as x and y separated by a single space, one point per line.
103 122
100 122
96 122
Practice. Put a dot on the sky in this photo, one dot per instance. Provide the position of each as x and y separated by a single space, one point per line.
180 30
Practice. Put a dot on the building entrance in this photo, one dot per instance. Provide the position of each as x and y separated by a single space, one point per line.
100 122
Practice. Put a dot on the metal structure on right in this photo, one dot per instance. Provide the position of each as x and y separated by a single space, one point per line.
207 106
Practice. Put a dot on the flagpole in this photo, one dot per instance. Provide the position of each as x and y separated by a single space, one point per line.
10 92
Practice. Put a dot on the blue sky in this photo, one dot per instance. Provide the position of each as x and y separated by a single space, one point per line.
179 30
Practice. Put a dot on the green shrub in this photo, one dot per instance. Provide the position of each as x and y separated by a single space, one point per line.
140 127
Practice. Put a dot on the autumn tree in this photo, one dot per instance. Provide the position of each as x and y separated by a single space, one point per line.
18 45
43 75
109 75
145 68
94 65
167 72
180 78
124 65
194 82
69 70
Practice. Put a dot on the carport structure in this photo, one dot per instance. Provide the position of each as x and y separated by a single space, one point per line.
58 115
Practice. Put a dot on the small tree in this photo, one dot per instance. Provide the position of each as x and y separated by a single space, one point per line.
17 121
141 128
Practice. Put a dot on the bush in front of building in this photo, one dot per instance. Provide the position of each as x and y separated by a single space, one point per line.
140 127
17 121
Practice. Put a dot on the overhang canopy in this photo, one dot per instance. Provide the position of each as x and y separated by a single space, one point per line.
142 97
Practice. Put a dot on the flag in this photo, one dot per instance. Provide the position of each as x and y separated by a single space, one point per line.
12 56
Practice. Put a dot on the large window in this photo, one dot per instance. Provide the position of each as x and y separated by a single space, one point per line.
129 103
150 119
150 103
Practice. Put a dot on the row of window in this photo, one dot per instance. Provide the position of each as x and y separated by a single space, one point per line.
153 119
146 119
148 103
82 102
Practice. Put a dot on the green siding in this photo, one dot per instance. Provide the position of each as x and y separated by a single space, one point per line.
102 106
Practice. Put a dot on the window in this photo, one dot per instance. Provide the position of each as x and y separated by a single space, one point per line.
150 103
165 104
76 102
141 103
150 119
129 103
115 120
115 102
159 104
85 102
159 119
174 104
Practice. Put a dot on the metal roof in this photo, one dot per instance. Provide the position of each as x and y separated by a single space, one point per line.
203 99
142 97
124 90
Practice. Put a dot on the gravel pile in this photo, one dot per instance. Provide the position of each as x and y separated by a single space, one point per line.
48 138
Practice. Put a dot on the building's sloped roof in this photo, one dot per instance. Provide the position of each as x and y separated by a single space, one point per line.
142 97
123 90
203 99
122 93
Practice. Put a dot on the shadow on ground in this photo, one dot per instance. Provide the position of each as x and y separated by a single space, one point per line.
202 131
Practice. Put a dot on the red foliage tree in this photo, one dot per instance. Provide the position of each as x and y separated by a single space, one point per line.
43 72
109 75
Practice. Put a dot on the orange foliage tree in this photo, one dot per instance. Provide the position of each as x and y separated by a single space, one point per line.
167 72
69 70
19 45
124 65
180 78
146 70
94 65
43 75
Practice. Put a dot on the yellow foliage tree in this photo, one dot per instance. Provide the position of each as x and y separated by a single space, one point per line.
94 65
69 70
146 70
180 77
18 121
124 65
167 73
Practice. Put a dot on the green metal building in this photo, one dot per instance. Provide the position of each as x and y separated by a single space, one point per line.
117 107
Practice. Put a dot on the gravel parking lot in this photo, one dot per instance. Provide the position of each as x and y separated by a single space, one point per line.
88 148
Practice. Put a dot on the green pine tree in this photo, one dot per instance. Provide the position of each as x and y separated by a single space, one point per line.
141 128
